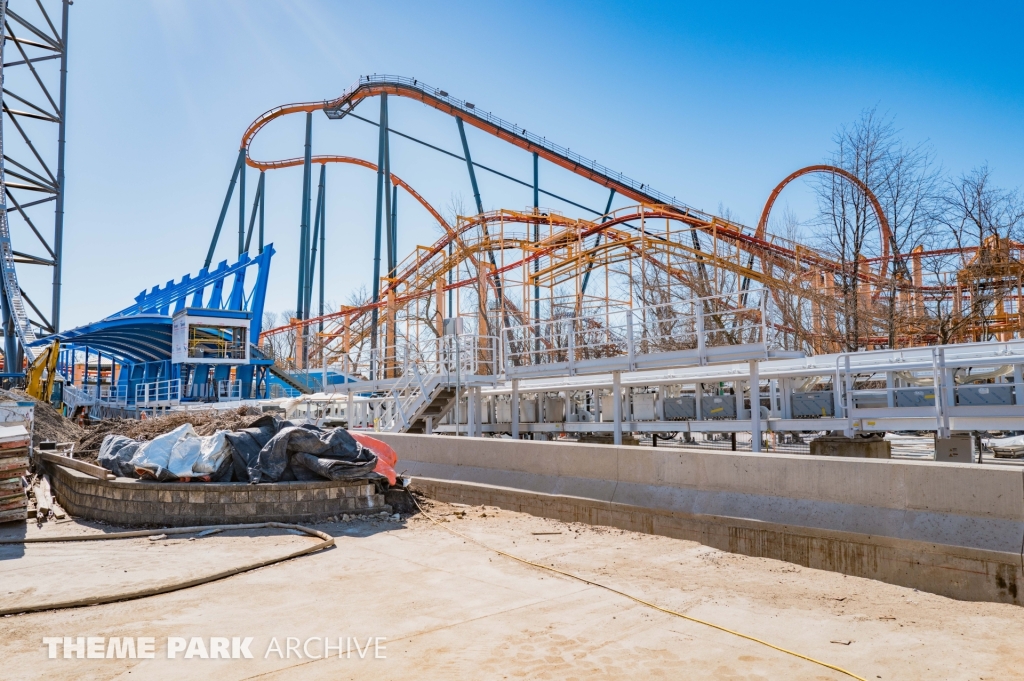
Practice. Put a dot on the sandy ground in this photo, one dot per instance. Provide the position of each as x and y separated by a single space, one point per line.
445 608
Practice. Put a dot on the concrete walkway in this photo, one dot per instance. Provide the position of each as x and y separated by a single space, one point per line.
452 610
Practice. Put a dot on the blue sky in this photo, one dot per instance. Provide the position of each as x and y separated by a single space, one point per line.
711 102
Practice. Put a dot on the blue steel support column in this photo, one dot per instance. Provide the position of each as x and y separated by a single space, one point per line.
256 203
241 208
259 293
10 343
307 172
58 224
536 238
597 242
536 261
394 229
469 165
323 246
311 267
381 150
224 208
388 226
479 210
262 201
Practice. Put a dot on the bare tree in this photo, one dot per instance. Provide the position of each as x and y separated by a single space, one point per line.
280 345
978 213
905 179
909 193
976 209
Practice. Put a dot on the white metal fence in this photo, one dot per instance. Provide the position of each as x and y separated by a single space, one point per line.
688 331
158 393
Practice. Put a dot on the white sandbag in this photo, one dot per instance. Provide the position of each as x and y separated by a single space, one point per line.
156 453
1014 441
213 451
183 453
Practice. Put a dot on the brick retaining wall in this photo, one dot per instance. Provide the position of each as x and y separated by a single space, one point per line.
134 502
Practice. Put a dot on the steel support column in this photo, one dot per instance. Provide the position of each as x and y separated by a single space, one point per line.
224 208
536 261
262 201
381 153
514 406
616 406
307 179
394 230
257 203
469 166
388 226
10 338
755 406
597 242
479 207
241 209
58 223
311 266
323 247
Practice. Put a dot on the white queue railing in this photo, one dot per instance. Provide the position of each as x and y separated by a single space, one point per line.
158 393
693 326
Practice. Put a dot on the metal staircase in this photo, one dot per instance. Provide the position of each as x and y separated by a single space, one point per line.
258 353
435 409
426 390
420 403
290 380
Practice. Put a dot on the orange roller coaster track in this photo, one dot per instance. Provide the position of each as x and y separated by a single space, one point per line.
883 222
489 268
411 88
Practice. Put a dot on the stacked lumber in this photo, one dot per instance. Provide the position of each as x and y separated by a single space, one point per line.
14 442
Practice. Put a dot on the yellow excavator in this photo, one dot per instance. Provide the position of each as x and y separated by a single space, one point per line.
37 386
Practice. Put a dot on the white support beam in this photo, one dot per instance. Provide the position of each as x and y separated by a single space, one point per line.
755 408
514 406
617 406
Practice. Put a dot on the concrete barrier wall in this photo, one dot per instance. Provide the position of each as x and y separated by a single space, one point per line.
955 529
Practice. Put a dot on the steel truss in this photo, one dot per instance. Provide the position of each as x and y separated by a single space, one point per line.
32 134
518 277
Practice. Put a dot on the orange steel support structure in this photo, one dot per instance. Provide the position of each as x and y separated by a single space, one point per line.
497 267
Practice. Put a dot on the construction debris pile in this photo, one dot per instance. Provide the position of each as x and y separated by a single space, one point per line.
48 423
266 450
14 441
205 422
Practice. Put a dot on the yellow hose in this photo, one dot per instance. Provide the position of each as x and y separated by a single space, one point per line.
326 541
637 600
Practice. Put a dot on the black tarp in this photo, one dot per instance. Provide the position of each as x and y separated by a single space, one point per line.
115 453
270 450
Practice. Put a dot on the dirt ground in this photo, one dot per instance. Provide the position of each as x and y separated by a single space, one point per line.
441 607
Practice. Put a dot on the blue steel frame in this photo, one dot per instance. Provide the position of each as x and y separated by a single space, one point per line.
138 338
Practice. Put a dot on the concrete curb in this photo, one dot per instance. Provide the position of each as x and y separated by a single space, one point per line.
952 529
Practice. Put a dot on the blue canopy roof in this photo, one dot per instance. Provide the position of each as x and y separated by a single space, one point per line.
142 331
140 338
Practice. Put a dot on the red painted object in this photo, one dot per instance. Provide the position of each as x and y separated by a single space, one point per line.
387 459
